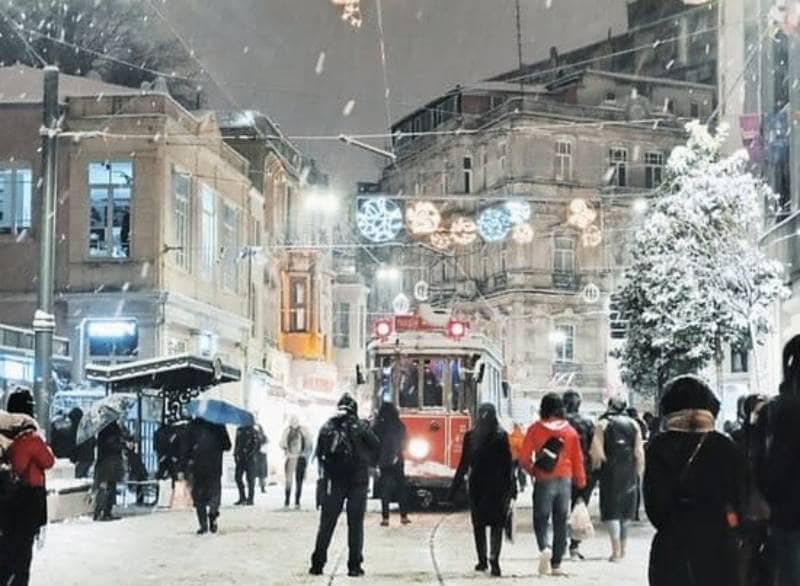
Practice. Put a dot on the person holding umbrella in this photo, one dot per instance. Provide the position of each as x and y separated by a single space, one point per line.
109 470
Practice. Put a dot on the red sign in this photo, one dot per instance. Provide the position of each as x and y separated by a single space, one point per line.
411 323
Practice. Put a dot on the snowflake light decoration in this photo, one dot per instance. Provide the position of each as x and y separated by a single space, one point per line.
379 219
401 304
519 210
423 218
522 234
580 215
440 240
463 231
351 12
592 237
494 223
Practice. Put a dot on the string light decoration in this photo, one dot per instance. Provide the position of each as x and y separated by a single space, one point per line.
401 304
351 12
592 237
379 219
463 231
580 215
421 290
591 293
522 233
441 240
423 218
519 210
494 223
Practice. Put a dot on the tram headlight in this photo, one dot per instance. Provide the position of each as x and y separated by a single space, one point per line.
419 448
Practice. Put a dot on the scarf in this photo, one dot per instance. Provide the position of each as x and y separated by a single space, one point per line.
691 420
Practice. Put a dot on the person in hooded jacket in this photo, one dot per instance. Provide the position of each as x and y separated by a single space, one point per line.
29 457
693 487
486 460
558 464
392 434
296 445
82 454
345 478
584 426
109 470
244 455
617 453
777 468
205 445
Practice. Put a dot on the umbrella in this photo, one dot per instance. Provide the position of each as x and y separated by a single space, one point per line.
101 414
219 411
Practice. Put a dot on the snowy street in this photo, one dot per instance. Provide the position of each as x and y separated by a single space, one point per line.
266 545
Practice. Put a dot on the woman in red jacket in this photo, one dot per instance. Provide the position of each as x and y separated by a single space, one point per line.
29 456
552 454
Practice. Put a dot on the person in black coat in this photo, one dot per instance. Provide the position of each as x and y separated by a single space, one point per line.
392 433
205 443
487 460
244 455
693 487
585 428
108 471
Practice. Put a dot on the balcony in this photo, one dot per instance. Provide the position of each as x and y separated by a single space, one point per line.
566 281
566 373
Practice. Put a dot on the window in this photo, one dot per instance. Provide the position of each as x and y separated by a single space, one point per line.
618 161
181 193
341 335
739 360
653 168
110 188
611 97
564 255
15 198
563 160
230 248
467 174
298 304
694 110
208 229
617 325
565 343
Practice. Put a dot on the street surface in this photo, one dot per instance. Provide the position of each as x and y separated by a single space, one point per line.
267 545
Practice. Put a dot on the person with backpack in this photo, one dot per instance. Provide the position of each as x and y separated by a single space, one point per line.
617 454
486 458
244 456
27 459
693 485
584 426
296 445
552 454
777 468
392 434
346 448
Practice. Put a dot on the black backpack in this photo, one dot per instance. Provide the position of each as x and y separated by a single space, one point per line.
547 457
336 448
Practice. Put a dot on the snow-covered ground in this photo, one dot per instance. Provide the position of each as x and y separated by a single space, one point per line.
267 545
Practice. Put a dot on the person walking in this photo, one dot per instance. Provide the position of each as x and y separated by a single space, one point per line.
515 440
296 445
617 453
262 465
584 426
392 434
108 471
28 457
777 469
244 456
206 443
346 448
486 459
693 484
557 465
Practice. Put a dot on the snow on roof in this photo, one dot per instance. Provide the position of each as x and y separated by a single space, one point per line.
22 84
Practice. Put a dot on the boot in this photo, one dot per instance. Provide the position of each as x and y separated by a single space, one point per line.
496 543
287 499
212 522
616 547
202 519
479 533
495 568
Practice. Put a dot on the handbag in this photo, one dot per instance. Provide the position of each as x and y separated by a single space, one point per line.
580 522
547 457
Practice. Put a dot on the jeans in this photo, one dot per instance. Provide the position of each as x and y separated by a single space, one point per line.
333 499
618 529
295 473
245 469
551 500
787 555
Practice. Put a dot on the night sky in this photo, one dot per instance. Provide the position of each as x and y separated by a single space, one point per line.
265 54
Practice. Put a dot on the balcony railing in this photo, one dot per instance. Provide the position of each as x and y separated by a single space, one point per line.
566 281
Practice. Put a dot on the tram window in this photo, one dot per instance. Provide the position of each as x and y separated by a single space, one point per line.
433 391
409 384
455 373
386 392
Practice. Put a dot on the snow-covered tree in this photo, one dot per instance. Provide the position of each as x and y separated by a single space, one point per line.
697 279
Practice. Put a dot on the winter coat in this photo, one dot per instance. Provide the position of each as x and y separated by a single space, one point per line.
247 444
62 436
570 460
393 441
30 456
296 441
491 482
584 426
366 443
693 509
205 444
617 452
171 445
110 466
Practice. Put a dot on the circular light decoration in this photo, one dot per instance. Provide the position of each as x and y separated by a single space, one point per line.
519 210
440 240
401 304
592 237
522 234
379 219
580 215
463 231
423 218
591 293
577 206
421 290
494 224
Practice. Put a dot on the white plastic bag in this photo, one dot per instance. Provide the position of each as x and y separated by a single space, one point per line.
580 522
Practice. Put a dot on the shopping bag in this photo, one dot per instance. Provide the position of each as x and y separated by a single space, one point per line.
580 522
181 496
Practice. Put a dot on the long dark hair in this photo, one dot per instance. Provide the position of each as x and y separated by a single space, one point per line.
486 425
388 419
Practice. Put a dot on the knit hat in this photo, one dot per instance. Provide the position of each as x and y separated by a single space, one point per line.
347 404
688 392
20 401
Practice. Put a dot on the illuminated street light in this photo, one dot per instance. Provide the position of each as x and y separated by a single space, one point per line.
387 273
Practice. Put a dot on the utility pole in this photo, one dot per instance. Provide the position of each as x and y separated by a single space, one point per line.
44 320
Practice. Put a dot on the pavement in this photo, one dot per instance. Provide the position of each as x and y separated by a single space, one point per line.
265 544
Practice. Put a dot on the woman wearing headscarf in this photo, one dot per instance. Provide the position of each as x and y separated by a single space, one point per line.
693 487
486 459
392 433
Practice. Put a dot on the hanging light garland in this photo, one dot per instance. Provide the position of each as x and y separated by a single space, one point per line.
494 223
423 218
379 219
592 237
522 234
463 231
351 12
519 210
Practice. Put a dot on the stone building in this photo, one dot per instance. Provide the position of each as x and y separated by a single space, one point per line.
576 160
